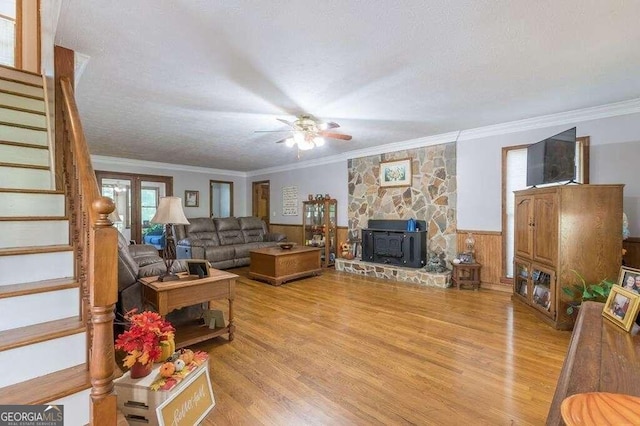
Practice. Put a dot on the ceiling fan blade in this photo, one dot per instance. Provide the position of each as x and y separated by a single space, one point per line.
335 135
329 125
288 123
271 131
282 140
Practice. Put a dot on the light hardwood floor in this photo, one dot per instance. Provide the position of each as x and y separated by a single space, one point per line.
341 349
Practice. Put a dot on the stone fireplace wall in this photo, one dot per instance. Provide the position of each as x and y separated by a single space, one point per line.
431 196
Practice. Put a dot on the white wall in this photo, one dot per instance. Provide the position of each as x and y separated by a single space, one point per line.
184 178
321 179
615 158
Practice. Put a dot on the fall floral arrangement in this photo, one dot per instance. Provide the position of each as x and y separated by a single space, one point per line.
143 336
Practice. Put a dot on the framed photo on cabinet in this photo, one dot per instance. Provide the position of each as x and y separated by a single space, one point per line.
621 307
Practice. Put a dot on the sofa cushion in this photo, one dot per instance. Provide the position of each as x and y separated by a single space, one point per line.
202 228
252 222
220 253
229 231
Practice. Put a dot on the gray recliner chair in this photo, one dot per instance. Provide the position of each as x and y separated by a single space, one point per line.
139 261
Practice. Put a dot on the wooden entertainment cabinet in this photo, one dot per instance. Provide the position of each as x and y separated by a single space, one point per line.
558 230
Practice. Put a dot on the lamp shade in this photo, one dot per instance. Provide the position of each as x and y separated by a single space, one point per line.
170 211
114 216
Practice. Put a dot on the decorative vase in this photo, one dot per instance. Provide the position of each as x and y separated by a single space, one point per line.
168 348
140 370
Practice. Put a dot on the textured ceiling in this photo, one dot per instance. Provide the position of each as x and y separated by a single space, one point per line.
188 81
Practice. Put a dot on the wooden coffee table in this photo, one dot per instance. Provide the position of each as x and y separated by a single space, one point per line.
275 265
191 290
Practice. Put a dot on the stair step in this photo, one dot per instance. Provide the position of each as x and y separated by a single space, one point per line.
23 289
31 309
17 101
38 97
34 233
18 116
11 339
48 388
10 73
21 178
31 204
21 88
42 265
11 154
19 134
42 358
13 251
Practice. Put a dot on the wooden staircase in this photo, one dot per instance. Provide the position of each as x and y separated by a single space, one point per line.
48 313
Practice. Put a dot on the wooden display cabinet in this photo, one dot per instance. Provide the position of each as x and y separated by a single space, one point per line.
319 222
559 230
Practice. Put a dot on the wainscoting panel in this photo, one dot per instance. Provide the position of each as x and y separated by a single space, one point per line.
489 255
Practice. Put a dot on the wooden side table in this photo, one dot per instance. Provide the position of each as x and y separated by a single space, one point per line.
466 274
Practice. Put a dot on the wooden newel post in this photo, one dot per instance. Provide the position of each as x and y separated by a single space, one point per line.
102 277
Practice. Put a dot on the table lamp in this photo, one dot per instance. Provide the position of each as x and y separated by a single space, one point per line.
169 213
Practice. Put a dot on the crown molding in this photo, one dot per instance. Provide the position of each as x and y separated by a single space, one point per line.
117 161
299 165
569 117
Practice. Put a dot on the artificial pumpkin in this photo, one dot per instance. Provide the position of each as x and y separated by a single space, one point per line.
187 356
179 364
167 369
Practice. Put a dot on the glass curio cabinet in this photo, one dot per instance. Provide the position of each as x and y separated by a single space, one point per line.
319 227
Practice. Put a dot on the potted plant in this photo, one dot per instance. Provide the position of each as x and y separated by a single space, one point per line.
142 341
583 292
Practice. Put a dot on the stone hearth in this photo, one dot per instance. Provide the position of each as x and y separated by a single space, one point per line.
395 273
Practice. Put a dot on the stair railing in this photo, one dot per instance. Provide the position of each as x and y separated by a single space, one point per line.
95 241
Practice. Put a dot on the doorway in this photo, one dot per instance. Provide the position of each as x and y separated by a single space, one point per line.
260 200
136 198
221 197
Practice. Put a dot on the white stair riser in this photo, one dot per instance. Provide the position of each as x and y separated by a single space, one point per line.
76 407
31 204
41 266
18 134
24 89
34 233
22 155
22 117
29 362
14 177
18 101
20 76
21 311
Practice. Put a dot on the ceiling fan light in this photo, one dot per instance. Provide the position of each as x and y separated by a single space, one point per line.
318 141
289 142
298 137
305 145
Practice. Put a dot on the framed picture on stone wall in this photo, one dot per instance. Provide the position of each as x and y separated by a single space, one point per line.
395 173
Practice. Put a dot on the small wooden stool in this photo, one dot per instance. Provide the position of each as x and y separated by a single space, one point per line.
466 273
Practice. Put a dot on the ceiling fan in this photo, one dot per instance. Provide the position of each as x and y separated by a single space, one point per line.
308 132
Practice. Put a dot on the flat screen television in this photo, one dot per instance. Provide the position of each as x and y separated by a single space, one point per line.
553 159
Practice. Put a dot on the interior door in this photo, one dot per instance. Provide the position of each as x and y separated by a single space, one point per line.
260 205
136 198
